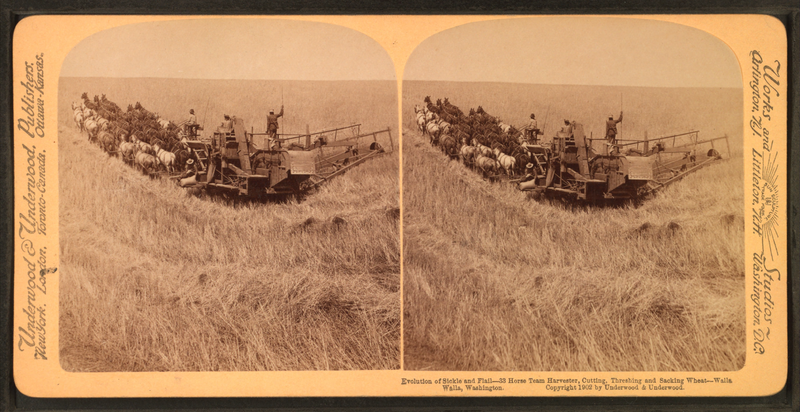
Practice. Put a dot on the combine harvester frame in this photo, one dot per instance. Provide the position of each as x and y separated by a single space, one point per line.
570 168
236 165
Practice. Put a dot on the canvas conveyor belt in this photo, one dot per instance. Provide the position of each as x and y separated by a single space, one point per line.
655 185
349 166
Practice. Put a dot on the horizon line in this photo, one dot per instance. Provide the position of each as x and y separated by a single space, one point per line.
575 84
407 80
213 78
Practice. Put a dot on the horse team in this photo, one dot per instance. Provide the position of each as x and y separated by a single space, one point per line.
482 141
141 138
152 144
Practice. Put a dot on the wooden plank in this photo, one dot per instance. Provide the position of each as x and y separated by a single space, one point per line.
210 173
236 170
581 178
241 138
576 175
583 156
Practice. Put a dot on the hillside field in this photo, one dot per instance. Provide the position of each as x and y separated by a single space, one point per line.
153 279
494 280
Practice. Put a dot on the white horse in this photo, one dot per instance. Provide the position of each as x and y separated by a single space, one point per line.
468 153
91 127
166 158
144 147
128 150
444 126
486 164
421 123
145 161
507 162
79 119
485 150
433 131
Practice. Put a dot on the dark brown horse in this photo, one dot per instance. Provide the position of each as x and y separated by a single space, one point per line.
449 145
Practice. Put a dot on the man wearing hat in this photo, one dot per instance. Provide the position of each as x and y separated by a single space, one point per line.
227 123
611 129
191 169
272 127
530 173
532 130
191 124
567 128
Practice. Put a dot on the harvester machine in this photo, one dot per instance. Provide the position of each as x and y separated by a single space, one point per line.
569 167
237 163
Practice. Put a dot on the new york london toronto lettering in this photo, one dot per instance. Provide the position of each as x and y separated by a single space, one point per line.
32 333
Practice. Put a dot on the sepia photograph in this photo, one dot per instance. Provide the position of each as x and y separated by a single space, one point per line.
228 199
572 198
297 207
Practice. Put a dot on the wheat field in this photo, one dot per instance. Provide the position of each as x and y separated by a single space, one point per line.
494 280
152 279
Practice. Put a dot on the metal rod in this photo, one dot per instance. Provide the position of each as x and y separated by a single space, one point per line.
620 112
319 132
727 143
545 120
686 172
670 137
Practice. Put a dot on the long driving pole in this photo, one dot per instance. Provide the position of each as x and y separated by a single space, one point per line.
545 119
620 112
208 100
205 112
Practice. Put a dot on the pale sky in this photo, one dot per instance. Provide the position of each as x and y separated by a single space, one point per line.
576 50
263 49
